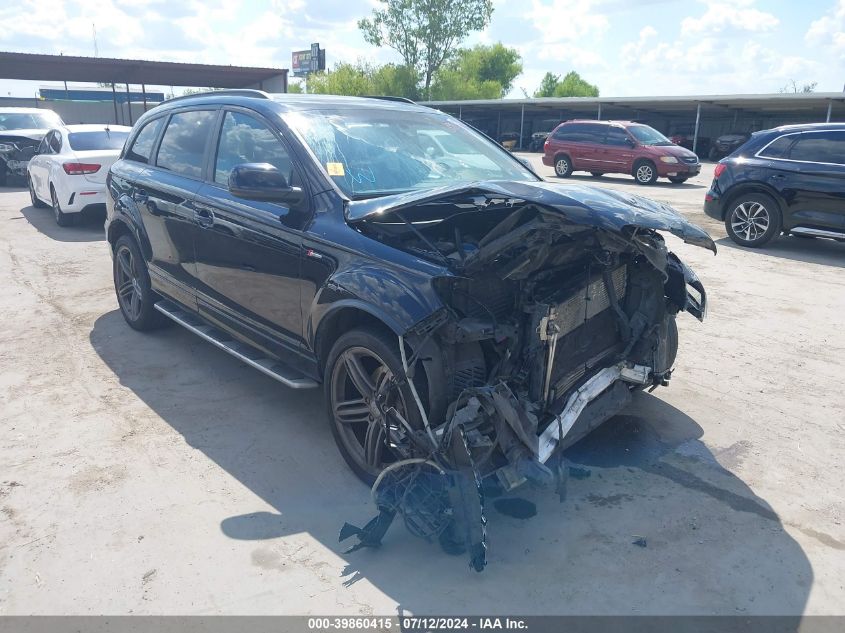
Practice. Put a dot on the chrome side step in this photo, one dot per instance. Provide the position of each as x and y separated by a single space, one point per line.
801 230
241 351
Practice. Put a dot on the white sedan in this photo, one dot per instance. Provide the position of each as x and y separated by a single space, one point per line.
69 170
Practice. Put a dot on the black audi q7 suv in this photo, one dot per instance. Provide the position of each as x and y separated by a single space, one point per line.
790 179
461 314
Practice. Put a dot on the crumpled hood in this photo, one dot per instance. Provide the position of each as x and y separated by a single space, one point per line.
584 205
31 134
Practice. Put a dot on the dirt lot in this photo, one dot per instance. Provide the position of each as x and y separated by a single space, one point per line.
155 474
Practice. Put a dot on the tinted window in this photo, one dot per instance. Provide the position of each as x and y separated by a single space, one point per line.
183 143
83 141
581 133
779 148
244 139
55 142
820 147
142 147
616 136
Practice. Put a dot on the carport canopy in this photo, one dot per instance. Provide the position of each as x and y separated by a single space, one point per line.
28 66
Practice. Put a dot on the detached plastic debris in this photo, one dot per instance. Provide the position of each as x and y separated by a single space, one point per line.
434 503
638 540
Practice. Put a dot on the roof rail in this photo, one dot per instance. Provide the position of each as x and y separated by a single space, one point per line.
390 98
245 92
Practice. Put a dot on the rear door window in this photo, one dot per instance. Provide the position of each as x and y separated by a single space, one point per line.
182 147
142 146
820 147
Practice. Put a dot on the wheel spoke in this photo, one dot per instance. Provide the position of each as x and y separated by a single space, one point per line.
125 263
352 411
373 444
135 304
358 375
126 288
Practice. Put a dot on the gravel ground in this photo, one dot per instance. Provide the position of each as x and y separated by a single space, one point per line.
155 474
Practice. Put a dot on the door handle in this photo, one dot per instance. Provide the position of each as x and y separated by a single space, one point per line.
203 216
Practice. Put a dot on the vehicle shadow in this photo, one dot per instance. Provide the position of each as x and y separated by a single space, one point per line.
88 226
709 544
812 251
617 178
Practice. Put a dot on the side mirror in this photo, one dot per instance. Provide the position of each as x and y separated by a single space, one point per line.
262 181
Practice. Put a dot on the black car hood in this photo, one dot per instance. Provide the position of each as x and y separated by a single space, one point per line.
580 204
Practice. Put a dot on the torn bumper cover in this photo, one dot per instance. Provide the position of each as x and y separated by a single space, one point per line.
560 303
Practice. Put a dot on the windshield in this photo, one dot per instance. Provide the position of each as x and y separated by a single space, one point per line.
372 152
29 121
648 135
106 139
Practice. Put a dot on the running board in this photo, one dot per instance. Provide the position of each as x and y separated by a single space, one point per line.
243 352
800 230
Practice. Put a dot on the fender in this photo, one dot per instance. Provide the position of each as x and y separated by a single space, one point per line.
126 212
757 186
378 291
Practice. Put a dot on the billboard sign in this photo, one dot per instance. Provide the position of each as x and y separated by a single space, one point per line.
308 61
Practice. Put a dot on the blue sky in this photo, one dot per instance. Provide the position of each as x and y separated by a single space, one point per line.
626 47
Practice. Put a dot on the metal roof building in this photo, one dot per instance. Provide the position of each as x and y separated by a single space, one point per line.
708 115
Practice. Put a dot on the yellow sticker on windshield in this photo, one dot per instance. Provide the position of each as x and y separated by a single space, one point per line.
335 169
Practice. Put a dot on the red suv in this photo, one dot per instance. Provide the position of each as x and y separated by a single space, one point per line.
619 147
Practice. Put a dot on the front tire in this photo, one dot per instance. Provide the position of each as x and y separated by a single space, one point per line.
36 201
62 218
132 286
361 386
645 172
563 166
753 220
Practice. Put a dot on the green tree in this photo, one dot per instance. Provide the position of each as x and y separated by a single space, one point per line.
425 32
548 85
365 79
295 88
490 63
572 85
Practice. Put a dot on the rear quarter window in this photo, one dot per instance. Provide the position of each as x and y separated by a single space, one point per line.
779 148
142 146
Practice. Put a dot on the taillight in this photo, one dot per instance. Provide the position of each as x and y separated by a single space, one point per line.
77 169
720 169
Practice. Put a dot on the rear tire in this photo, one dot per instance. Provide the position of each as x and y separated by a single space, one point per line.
62 218
645 172
135 296
563 166
753 219
357 381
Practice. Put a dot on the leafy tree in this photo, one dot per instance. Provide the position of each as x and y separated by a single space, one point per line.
572 85
451 84
483 64
793 87
548 85
295 88
365 79
425 32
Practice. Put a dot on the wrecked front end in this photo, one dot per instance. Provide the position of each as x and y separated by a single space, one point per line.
561 303
16 150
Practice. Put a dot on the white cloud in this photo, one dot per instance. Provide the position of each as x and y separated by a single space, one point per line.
723 15
566 19
829 30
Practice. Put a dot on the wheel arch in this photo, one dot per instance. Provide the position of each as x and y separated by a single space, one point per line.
753 187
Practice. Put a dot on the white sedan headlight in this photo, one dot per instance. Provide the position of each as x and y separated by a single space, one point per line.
668 159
